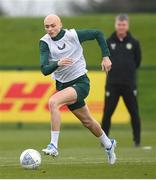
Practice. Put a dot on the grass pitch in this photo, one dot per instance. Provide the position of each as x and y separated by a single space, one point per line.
80 153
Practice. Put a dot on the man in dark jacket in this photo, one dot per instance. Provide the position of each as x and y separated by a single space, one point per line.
121 80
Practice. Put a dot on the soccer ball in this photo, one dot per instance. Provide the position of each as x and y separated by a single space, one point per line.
30 159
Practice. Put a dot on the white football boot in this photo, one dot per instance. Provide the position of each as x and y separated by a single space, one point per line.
110 152
51 150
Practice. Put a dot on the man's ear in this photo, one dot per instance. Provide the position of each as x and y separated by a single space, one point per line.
61 25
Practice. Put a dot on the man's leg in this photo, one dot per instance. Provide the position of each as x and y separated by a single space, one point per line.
111 99
65 96
130 99
89 122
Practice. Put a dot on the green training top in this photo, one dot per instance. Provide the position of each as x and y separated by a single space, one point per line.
83 35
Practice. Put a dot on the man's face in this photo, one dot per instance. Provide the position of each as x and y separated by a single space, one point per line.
52 26
121 27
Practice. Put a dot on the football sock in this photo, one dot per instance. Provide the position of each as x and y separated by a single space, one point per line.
105 141
54 138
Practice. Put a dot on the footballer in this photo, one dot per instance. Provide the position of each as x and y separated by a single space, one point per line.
61 55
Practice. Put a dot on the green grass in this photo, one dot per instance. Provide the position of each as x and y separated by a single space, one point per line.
80 153
20 37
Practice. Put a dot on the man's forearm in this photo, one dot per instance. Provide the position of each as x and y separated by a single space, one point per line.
46 68
138 55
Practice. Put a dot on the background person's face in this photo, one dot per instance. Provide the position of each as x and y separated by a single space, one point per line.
121 27
52 27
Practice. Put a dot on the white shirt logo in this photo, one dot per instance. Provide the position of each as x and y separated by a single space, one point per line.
113 46
129 46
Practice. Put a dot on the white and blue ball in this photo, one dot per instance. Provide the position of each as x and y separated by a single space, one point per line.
30 159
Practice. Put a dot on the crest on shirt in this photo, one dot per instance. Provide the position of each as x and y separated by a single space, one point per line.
113 46
129 46
61 48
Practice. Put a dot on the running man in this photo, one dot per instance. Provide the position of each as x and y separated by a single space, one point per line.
61 55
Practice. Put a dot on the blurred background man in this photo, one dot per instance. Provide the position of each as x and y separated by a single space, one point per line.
121 80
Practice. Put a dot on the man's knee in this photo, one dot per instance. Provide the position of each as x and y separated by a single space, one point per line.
53 104
107 114
134 113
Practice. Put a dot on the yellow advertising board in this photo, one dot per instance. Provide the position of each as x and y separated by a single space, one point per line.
24 96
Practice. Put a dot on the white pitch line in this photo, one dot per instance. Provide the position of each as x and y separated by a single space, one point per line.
77 163
82 162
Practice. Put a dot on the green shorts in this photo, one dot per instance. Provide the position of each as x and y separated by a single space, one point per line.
82 87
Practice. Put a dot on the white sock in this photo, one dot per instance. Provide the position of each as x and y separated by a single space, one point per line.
54 138
105 140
